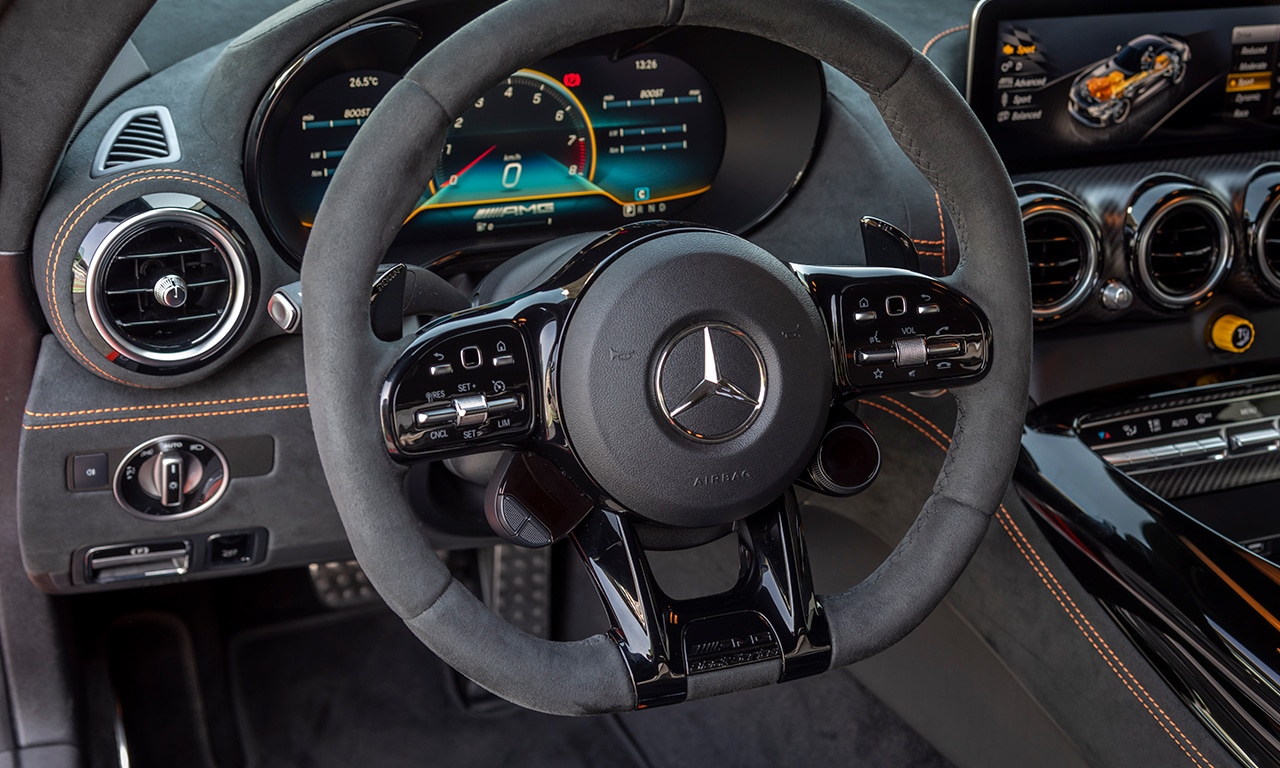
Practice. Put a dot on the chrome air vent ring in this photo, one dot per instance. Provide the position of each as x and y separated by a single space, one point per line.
1063 251
1180 241
163 283
1266 245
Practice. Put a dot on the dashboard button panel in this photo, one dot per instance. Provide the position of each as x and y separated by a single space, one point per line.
1184 448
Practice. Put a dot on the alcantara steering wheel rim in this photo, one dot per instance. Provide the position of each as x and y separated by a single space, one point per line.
346 365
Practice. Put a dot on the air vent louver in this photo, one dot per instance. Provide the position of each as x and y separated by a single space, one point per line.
168 287
1062 250
190 272
138 137
1184 250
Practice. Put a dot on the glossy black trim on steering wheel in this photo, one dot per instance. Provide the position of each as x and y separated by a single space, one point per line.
770 614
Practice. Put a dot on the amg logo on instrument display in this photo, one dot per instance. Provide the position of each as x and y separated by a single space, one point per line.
503 211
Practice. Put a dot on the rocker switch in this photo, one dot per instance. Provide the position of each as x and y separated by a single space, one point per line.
171 476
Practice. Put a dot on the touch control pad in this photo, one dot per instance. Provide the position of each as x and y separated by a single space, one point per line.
903 331
464 389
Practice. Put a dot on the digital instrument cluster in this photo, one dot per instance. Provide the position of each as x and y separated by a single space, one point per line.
682 125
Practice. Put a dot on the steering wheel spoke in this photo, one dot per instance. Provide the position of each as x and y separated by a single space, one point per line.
771 616
893 329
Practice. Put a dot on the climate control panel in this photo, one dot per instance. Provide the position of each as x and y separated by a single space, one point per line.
1182 446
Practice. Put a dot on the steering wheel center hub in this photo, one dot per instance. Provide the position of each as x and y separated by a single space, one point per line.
694 377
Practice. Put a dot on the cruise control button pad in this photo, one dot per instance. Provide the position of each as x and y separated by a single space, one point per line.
466 388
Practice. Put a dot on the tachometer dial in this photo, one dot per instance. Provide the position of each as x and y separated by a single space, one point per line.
527 138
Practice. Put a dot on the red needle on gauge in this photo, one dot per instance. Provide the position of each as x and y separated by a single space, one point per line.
454 178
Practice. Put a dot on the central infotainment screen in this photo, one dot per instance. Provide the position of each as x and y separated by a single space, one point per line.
1091 82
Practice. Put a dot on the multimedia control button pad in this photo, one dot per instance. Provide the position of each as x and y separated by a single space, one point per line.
900 331
464 390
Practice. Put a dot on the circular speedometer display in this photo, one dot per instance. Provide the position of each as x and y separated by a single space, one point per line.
527 138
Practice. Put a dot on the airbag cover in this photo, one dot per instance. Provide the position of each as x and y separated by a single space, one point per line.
642 328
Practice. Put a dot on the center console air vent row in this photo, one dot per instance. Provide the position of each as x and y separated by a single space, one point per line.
1180 243
1062 248
139 137
167 287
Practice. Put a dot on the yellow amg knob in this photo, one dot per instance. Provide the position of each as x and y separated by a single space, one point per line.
1232 333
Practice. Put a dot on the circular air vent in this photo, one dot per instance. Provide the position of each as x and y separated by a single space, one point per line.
168 287
1062 249
1267 244
1182 247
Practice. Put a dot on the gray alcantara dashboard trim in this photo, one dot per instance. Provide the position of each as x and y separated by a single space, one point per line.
71 411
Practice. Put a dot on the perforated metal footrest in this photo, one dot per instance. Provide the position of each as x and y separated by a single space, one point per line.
518 587
341 584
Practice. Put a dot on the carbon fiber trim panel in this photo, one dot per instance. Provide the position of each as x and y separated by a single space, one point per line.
1213 476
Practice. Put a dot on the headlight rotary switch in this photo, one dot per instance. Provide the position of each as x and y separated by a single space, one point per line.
170 477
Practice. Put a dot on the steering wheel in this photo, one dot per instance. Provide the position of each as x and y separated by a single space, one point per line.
665 373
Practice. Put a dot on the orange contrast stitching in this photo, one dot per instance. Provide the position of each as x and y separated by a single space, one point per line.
939 36
193 404
942 227
1078 616
65 230
909 423
134 419
918 415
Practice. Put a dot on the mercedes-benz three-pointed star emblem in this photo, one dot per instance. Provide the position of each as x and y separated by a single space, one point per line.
714 425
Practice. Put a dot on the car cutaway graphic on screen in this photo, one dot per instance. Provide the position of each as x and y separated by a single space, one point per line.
1105 93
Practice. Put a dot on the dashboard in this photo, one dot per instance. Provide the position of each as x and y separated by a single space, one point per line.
1141 139
173 402
1158 241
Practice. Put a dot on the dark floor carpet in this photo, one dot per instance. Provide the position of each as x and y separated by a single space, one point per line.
827 720
359 690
